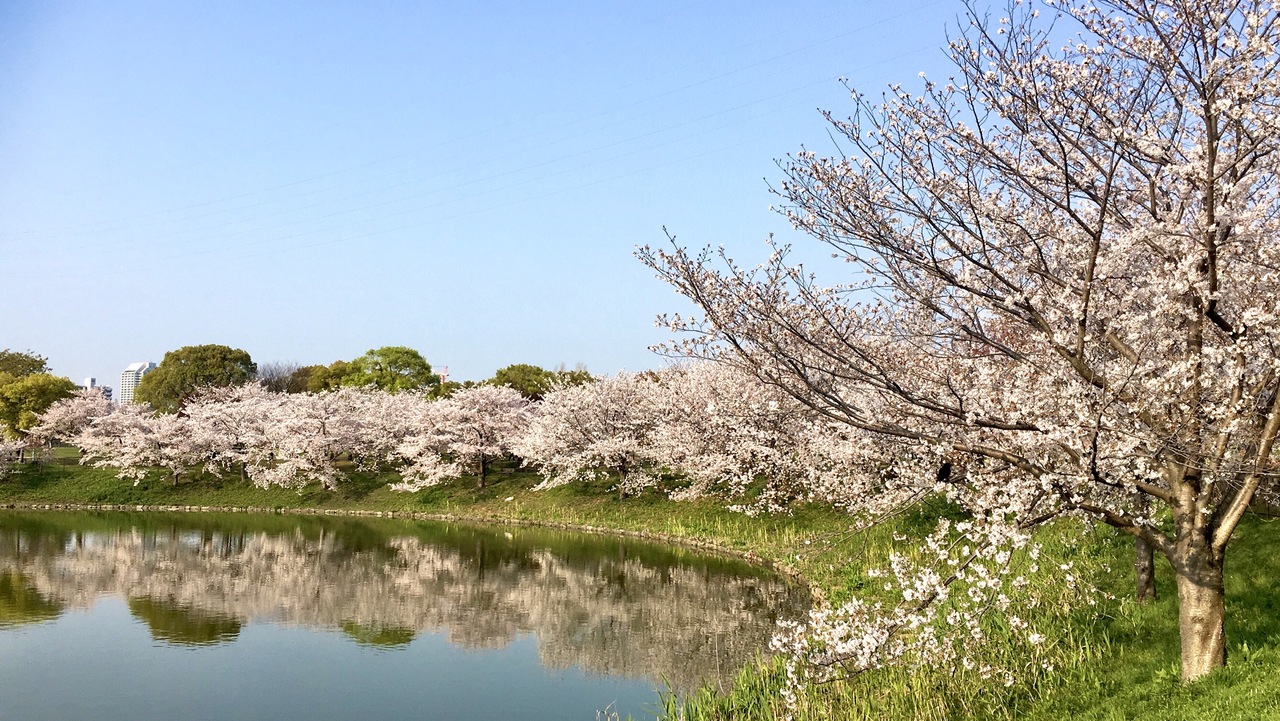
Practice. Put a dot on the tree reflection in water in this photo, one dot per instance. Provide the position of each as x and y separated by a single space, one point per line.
183 625
21 603
605 605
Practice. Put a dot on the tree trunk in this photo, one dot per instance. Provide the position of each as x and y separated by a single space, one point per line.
1201 611
483 468
1144 563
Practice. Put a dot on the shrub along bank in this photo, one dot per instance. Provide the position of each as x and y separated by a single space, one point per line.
1113 660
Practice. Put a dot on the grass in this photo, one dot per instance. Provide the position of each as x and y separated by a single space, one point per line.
1137 677
1117 661
1114 661
506 496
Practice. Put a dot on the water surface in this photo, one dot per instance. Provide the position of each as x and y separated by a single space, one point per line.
206 616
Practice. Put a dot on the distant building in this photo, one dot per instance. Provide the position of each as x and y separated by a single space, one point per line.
92 383
130 379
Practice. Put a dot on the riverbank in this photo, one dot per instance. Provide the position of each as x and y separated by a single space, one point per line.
1117 660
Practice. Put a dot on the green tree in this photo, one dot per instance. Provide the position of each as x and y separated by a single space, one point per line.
448 388
23 399
22 604
325 378
392 368
533 382
579 376
300 381
529 380
184 371
18 364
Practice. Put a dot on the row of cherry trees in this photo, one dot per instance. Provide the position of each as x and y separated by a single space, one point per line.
719 429
703 429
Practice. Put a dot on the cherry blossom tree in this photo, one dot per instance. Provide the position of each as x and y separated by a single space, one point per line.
177 445
383 420
304 438
271 438
459 435
421 452
10 455
724 430
1065 296
123 439
236 422
291 440
472 427
66 418
584 431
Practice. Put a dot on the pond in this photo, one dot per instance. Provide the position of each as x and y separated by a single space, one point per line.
233 616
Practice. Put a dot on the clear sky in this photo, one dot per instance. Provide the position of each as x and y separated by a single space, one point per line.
308 180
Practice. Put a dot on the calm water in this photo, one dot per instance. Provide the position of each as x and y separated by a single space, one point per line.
226 617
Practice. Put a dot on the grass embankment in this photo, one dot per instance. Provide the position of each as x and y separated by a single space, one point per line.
1118 660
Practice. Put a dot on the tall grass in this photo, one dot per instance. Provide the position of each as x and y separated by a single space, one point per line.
1110 660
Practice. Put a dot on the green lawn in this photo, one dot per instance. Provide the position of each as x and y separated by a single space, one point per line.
1114 661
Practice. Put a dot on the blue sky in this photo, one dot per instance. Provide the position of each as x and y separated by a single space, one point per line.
308 180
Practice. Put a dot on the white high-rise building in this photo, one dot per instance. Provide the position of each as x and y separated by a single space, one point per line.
130 378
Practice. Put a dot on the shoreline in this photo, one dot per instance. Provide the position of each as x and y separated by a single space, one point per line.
781 568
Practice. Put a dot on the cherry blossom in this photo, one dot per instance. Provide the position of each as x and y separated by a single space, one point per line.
1064 289
67 417
461 435
581 432
10 455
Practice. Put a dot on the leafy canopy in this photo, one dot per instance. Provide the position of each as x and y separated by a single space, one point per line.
184 371
534 382
23 399
529 380
391 368
18 364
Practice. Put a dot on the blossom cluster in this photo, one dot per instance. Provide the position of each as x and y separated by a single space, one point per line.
1065 297
698 429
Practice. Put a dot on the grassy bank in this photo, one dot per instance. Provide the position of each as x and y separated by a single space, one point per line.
1114 661
506 496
